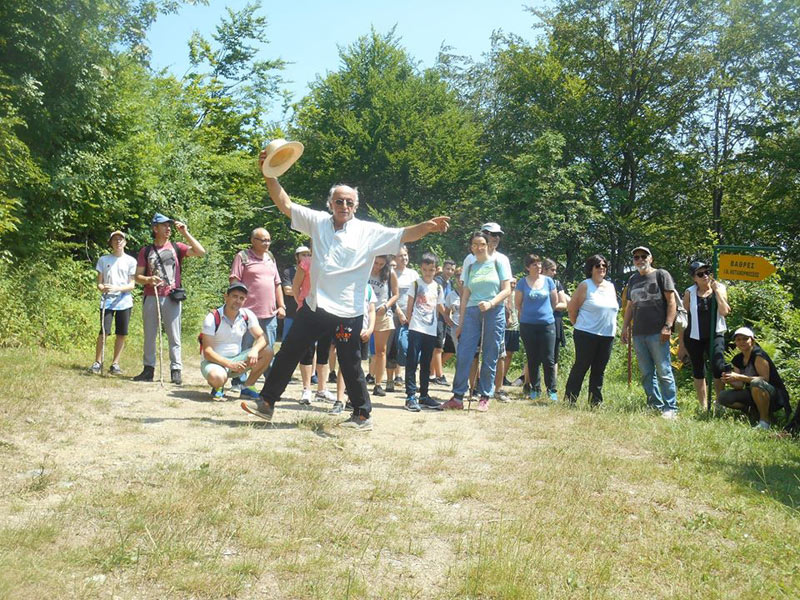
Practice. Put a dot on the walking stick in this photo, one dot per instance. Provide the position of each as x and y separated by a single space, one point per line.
160 339
103 333
630 344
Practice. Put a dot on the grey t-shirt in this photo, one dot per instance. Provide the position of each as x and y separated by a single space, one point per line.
646 292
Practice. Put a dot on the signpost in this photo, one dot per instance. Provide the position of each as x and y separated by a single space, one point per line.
729 263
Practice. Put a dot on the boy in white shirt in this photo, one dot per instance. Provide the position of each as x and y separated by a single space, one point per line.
116 274
425 299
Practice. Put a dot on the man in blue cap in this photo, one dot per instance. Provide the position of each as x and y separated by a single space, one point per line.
158 269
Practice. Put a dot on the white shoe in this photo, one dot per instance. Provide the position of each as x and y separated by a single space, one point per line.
670 414
306 397
324 396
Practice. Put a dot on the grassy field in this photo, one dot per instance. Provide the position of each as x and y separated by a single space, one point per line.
116 490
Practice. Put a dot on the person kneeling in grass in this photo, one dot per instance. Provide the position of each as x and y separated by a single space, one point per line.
222 334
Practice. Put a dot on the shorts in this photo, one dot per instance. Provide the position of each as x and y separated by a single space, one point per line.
207 367
365 350
121 320
449 342
745 397
441 333
384 323
512 340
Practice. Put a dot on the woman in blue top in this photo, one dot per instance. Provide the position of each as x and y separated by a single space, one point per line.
535 297
487 282
593 310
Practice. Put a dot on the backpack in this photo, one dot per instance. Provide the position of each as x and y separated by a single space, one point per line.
416 290
246 259
217 321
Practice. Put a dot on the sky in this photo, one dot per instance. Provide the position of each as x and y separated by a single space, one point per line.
308 33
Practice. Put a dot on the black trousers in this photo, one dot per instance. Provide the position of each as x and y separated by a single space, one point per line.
539 342
699 349
591 352
308 327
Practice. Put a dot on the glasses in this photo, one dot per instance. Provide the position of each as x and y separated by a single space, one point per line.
702 274
263 240
640 256
493 234
342 202
601 266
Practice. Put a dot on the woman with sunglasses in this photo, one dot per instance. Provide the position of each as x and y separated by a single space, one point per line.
593 311
695 342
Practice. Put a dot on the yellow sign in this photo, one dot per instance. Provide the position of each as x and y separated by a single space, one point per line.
744 267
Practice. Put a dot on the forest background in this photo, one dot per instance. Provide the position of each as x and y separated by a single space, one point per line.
669 123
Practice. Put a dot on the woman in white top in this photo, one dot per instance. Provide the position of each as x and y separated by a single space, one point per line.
695 341
384 285
593 311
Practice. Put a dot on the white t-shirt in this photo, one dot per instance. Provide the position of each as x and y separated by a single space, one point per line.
453 300
117 270
428 296
227 341
342 260
405 280
501 258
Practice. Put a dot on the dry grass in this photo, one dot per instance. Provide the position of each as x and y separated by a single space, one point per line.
110 489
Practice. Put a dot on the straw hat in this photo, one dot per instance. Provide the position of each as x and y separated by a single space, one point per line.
280 156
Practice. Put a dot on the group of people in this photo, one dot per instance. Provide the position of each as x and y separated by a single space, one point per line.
353 291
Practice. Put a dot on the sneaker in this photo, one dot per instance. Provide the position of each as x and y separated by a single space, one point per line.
249 392
483 404
332 377
428 402
399 380
324 396
347 405
236 384
534 395
175 376
412 405
506 381
258 408
453 404
145 375
502 396
669 414
314 379
440 380
553 396
378 391
390 386
96 369
305 399
762 425
370 379
518 382
217 394
336 409
115 370
358 422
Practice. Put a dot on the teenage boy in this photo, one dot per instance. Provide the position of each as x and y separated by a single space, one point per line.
115 280
437 364
425 300
224 329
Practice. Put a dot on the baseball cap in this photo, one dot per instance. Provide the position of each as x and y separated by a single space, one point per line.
744 331
645 248
302 249
158 218
117 232
236 286
697 265
492 227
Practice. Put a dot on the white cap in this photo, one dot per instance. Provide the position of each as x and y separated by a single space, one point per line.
744 331
302 249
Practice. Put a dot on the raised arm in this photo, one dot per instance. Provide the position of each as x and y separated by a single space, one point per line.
420 230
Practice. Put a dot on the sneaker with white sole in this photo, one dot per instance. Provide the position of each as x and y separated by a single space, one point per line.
324 396
501 396
236 384
96 368
115 370
357 422
483 404
217 394
336 409
412 405
553 396
429 403
249 392
259 408
305 399
669 414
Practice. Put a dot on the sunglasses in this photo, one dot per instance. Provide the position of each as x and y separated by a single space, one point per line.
493 234
640 256
601 266
342 202
702 274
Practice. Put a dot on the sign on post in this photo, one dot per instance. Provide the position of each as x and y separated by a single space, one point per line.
744 267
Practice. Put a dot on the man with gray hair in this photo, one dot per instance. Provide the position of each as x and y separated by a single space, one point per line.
344 250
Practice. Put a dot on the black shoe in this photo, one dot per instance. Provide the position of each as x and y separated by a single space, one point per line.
399 381
506 381
332 377
378 391
175 376
145 375
390 386
441 380
370 379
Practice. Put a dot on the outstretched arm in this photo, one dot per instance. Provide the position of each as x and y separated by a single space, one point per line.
420 230
276 191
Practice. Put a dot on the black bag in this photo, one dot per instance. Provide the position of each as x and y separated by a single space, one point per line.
177 294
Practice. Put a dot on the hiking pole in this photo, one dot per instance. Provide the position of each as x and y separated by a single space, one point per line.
630 352
160 339
103 333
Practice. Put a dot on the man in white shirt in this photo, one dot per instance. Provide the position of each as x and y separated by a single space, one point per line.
224 328
344 250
